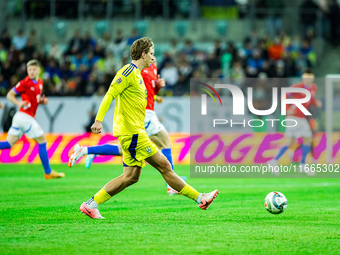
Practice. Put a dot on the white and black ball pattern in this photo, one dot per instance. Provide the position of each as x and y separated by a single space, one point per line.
275 202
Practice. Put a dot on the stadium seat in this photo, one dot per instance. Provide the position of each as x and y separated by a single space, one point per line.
142 26
221 27
60 28
183 6
101 27
181 27
162 47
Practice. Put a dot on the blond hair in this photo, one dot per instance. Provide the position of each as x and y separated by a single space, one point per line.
33 62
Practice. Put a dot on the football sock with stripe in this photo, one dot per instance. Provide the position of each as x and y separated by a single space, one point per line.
44 158
5 145
106 149
281 152
190 192
305 150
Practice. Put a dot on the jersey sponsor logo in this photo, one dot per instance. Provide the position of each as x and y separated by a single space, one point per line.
32 89
145 71
119 80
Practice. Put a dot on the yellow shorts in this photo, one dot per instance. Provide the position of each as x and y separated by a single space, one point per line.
136 148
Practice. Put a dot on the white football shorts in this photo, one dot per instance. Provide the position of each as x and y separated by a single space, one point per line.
151 123
302 129
23 123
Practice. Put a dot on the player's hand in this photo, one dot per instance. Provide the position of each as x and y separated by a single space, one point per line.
159 99
43 100
1 106
97 127
160 82
24 104
318 103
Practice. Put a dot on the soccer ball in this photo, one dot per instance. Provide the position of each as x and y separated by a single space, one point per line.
275 202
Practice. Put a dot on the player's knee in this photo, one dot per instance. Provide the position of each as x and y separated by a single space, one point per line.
41 139
165 145
307 140
131 179
165 167
12 140
290 142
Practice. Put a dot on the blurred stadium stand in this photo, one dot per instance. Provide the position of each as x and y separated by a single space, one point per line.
82 43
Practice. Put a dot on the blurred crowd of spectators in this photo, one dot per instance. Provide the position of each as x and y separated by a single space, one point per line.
281 57
87 66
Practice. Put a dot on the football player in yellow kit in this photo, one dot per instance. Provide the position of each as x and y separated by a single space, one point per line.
130 93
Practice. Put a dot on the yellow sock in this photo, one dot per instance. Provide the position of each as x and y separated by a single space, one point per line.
101 197
189 192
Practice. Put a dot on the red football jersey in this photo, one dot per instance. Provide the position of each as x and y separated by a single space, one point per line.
30 92
296 111
150 77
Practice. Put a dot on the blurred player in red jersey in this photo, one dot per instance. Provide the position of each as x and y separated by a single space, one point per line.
153 127
24 121
303 128
314 127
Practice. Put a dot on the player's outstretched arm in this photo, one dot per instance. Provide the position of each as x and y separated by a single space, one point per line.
11 97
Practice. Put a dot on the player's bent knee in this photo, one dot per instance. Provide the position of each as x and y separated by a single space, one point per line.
41 139
165 167
11 143
131 179
11 139
307 140
164 145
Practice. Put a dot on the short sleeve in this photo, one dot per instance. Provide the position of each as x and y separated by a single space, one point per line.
19 88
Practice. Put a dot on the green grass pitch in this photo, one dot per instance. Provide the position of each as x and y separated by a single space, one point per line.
41 216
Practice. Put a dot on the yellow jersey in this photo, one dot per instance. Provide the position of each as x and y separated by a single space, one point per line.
128 88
